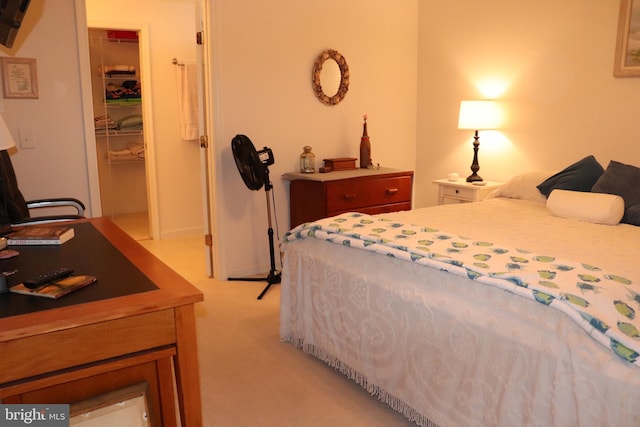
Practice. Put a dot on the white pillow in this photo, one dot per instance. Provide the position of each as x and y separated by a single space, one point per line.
523 187
599 208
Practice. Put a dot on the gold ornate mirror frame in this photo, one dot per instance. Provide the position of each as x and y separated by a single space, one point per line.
344 77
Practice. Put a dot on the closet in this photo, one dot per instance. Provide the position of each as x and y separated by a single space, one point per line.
119 128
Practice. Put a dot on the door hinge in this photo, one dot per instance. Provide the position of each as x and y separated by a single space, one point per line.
200 38
208 240
204 141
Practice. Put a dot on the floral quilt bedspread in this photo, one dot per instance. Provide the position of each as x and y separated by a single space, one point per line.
602 303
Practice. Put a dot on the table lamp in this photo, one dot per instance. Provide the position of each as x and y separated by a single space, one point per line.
477 115
6 140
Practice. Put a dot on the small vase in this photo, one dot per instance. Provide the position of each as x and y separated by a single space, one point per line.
365 147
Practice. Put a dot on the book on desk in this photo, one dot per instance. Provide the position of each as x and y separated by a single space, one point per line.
57 288
40 235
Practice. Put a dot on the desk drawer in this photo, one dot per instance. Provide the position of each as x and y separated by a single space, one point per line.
357 193
67 348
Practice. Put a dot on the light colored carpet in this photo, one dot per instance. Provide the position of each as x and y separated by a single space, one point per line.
136 224
249 377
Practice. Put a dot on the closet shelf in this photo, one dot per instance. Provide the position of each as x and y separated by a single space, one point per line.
125 161
125 102
116 132
118 76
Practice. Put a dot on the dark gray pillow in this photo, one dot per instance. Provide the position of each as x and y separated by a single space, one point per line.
579 176
624 181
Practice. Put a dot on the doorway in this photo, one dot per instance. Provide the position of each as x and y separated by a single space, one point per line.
178 172
118 99
172 164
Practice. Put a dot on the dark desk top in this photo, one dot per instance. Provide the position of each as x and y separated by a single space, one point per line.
89 252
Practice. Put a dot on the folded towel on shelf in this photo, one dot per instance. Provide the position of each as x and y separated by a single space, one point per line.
122 156
119 153
134 151
117 69
133 122
104 122
128 90
137 150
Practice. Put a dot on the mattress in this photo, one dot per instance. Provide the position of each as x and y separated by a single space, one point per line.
443 349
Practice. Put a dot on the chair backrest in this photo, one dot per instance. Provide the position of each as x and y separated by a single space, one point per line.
13 206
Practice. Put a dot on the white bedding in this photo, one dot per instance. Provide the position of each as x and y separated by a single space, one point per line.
441 348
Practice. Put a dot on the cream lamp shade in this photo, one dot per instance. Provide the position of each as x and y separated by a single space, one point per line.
477 115
6 140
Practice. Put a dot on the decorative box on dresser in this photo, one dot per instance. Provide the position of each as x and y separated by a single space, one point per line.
371 191
461 191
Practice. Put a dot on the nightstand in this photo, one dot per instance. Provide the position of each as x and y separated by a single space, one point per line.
461 191
319 195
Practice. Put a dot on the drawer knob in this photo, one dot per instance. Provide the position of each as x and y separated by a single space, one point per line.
350 196
457 191
392 190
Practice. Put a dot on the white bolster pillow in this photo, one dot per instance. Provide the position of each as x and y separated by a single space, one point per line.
599 208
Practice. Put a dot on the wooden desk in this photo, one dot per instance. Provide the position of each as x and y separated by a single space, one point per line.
59 353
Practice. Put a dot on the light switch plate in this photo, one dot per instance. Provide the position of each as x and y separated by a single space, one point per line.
27 140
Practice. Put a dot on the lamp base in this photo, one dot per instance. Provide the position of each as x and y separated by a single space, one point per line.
475 166
474 177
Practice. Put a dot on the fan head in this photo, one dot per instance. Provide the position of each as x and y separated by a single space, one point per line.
251 169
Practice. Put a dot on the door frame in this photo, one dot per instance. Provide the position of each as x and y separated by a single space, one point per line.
87 108
203 60
147 116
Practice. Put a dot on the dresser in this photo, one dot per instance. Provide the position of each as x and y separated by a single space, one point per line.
370 191
461 191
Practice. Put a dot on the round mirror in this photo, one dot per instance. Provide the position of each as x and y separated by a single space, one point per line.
331 84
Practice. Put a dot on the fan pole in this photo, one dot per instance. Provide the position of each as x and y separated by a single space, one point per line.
274 276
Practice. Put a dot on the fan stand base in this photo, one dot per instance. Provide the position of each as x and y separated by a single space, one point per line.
272 278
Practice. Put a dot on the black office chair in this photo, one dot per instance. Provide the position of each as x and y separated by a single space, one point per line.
15 210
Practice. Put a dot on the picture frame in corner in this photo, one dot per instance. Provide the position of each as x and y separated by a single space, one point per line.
627 54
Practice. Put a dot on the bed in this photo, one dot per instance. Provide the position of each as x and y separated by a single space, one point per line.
448 337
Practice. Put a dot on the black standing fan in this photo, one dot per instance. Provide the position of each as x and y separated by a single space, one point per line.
253 166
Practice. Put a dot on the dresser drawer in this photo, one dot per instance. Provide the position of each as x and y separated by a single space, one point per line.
315 196
378 209
357 193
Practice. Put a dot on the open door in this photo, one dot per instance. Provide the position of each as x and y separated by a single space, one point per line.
205 79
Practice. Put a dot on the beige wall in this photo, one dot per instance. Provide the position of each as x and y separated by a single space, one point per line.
57 164
555 60
265 53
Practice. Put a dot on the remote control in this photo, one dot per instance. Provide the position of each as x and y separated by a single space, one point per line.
47 277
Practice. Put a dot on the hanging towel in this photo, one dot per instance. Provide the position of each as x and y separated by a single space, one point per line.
188 101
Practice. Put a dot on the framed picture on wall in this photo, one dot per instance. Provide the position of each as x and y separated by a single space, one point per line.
627 57
19 77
